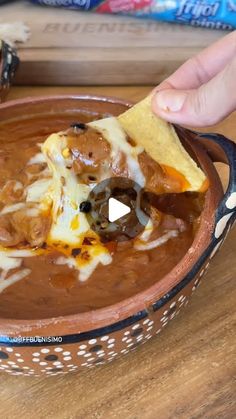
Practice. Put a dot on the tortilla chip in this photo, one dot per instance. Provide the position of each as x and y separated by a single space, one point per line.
160 141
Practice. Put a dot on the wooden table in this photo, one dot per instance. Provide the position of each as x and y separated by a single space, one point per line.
186 372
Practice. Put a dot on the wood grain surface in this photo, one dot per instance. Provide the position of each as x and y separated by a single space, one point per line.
70 47
186 372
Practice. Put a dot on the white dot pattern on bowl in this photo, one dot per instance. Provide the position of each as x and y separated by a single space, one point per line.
221 225
80 353
231 201
55 360
197 280
83 346
136 326
104 338
92 341
216 248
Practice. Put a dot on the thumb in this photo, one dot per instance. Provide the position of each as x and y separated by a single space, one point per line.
200 107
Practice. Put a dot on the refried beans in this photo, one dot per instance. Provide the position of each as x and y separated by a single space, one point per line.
49 289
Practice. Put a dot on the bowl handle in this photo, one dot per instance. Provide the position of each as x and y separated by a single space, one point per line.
8 66
221 149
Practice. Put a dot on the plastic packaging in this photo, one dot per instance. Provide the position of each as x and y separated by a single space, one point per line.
200 13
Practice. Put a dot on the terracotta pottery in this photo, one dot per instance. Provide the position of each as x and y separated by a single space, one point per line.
65 344
8 65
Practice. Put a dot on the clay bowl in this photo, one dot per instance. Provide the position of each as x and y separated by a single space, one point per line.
64 344
8 65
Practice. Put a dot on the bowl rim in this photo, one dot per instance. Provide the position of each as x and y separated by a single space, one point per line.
99 318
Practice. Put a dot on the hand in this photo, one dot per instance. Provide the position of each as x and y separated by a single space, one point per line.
203 90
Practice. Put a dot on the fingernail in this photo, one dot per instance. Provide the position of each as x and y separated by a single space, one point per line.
170 100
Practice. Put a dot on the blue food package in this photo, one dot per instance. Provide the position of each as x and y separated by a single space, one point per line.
200 13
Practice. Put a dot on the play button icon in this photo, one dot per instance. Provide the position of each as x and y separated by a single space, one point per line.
116 210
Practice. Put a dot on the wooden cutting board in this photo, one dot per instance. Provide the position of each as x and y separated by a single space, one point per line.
70 47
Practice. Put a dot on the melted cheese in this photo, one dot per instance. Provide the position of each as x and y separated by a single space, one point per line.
145 235
37 159
11 260
60 195
7 262
86 269
140 245
12 208
18 253
69 225
117 138
17 186
12 279
66 194
37 189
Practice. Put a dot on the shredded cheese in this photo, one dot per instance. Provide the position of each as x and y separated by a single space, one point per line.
85 270
37 189
144 236
37 159
139 245
9 260
12 208
17 276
